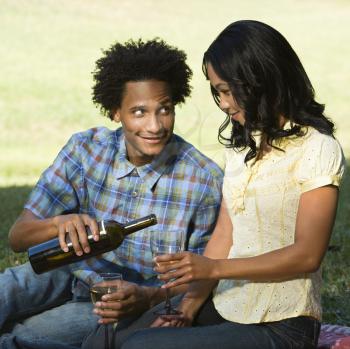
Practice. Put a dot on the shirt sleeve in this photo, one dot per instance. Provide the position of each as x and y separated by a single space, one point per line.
57 190
204 219
322 163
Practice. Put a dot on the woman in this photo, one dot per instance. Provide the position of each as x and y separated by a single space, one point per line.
258 283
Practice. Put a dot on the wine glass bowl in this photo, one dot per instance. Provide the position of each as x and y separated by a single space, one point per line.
105 283
165 242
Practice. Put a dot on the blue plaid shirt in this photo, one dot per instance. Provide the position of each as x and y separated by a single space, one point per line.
92 175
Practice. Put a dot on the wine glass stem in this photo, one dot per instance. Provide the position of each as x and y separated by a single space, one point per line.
167 301
106 336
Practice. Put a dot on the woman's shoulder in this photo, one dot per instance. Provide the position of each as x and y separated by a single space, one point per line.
321 157
316 140
235 155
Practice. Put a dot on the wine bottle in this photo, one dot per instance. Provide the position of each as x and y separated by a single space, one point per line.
49 255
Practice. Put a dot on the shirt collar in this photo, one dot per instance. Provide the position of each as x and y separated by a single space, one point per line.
124 167
281 143
149 173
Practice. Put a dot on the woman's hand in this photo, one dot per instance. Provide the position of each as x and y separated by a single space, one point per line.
74 225
188 309
180 320
184 267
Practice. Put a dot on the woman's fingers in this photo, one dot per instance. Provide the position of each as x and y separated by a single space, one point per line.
169 321
171 257
184 264
177 282
184 268
171 262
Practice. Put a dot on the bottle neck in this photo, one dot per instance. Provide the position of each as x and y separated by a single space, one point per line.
139 224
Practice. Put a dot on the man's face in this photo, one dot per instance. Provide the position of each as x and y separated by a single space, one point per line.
147 116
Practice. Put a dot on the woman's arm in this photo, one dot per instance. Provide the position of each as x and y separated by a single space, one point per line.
29 230
315 219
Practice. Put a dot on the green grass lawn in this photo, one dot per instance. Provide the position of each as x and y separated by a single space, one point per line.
47 53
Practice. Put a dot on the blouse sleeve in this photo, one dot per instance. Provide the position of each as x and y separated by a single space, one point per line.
322 163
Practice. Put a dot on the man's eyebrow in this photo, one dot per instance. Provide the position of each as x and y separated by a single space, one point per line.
166 100
138 106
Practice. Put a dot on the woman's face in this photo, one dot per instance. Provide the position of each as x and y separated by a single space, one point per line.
227 101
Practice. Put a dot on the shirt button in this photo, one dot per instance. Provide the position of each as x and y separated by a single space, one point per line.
134 194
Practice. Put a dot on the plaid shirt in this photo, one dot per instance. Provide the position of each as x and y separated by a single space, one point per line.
92 175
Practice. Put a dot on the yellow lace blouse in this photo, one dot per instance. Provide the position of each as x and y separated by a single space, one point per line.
262 200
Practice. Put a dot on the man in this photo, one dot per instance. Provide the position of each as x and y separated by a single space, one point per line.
138 169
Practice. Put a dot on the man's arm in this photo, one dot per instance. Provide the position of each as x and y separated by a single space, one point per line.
29 230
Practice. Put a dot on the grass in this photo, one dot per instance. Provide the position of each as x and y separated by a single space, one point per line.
336 265
47 52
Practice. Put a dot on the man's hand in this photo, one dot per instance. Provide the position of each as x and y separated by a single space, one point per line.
30 230
73 226
131 299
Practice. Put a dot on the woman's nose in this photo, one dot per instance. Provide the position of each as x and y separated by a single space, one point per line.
224 104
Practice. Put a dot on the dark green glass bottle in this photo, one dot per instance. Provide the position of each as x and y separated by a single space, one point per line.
49 255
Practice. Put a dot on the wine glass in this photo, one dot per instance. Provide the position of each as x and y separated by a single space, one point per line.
105 283
164 242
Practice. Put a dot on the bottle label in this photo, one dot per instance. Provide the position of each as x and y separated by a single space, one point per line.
103 227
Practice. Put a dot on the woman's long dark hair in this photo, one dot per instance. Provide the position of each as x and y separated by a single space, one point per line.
267 80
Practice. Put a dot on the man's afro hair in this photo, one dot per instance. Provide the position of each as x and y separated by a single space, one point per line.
139 61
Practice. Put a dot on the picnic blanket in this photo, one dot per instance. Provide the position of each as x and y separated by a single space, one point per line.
334 337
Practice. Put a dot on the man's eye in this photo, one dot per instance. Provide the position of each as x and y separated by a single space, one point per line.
139 112
165 110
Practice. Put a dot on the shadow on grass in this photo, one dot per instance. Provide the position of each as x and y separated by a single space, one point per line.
12 200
